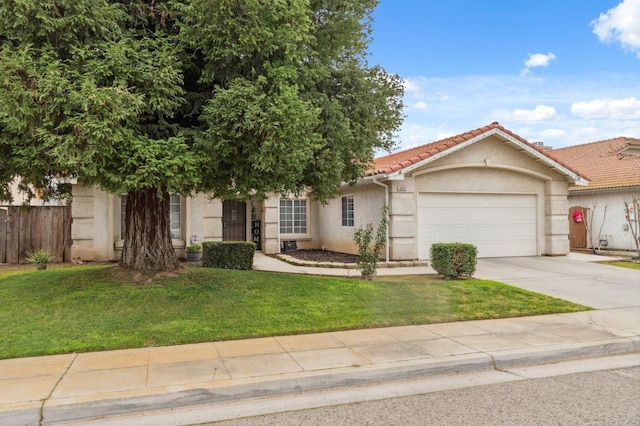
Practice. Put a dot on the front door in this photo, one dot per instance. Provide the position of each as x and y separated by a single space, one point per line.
234 220
577 228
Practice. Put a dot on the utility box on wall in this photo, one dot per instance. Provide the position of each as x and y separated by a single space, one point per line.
289 246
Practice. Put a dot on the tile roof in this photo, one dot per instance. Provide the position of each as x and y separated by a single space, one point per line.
399 160
604 163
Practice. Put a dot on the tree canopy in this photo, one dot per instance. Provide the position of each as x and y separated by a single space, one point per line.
227 97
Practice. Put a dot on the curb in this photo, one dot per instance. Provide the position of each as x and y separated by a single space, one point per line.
339 265
86 408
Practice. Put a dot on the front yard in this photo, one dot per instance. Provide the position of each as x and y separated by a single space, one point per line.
90 308
625 264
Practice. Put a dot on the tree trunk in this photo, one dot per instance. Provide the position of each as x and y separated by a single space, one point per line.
147 244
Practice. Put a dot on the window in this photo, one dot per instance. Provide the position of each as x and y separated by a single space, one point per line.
174 213
123 216
347 211
174 209
293 216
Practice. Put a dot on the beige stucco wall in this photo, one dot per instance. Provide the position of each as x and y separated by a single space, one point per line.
607 217
493 166
95 226
19 198
368 200
487 166
96 223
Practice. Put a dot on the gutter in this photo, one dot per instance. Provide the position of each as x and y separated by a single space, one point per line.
386 200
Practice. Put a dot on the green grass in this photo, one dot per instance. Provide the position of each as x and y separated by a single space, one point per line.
625 264
89 308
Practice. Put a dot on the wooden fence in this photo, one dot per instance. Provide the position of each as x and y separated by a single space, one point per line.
30 228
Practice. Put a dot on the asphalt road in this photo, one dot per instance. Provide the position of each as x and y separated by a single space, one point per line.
609 397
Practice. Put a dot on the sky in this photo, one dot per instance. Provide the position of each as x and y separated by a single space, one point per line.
563 72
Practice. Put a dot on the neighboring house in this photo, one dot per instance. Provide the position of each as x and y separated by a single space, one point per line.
488 187
613 166
19 198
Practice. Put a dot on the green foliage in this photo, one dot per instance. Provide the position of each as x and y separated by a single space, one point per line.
39 256
228 254
370 247
454 260
235 96
229 98
194 247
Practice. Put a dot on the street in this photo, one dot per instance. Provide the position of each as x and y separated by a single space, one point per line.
593 398
594 391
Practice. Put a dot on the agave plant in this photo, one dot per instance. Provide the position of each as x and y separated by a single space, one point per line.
39 257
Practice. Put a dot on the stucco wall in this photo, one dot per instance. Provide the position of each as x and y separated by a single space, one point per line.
487 166
96 223
19 198
615 228
368 200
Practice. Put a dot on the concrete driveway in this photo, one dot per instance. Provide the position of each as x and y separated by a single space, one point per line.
570 278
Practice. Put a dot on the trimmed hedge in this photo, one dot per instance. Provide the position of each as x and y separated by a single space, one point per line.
228 254
454 260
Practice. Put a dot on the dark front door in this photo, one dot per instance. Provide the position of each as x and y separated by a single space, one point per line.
234 220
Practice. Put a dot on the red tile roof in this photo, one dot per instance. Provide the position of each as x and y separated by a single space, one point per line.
604 163
399 160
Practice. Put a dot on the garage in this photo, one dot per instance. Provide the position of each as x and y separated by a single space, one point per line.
499 225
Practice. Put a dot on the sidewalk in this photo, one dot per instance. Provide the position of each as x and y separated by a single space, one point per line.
59 388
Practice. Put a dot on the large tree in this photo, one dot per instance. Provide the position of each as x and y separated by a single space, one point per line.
227 97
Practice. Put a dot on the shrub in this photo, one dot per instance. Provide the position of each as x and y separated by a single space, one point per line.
454 260
228 254
369 246
39 256
194 248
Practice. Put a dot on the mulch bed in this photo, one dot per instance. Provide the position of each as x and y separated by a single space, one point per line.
323 256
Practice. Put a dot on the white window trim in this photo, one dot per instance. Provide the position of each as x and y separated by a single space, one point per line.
296 236
353 211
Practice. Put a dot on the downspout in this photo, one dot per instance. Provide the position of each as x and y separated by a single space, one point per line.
386 200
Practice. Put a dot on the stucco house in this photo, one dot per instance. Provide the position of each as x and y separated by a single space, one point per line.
489 187
613 166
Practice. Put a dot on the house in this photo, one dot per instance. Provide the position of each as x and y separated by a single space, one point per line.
489 187
613 166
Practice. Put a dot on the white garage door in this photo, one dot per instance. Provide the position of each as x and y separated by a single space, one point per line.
499 225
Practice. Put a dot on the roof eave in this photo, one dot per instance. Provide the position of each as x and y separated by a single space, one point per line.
573 177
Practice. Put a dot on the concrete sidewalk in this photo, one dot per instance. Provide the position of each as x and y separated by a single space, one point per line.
82 387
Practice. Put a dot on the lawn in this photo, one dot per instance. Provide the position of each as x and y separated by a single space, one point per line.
90 308
625 264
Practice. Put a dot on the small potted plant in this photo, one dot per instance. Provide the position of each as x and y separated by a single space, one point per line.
194 252
40 258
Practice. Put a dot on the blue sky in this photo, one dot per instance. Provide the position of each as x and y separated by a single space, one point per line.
564 72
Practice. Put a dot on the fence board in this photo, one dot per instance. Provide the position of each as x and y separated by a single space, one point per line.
33 228
3 235
13 234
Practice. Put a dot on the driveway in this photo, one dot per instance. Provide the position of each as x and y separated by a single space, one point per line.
584 282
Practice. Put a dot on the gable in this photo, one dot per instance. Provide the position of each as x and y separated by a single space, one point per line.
521 151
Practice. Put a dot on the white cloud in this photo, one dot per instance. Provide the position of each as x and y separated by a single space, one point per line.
420 105
628 108
537 60
410 86
552 134
476 100
621 24
444 135
540 113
